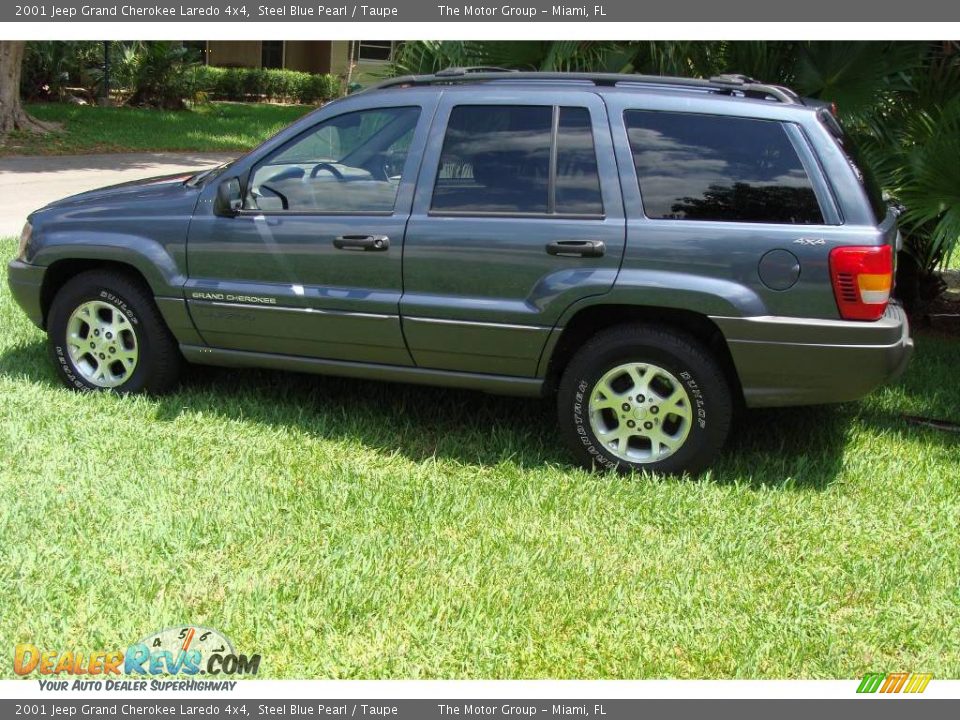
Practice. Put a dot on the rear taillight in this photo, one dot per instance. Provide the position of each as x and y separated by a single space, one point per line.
862 280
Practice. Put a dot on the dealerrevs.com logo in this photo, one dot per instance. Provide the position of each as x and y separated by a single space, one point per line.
189 651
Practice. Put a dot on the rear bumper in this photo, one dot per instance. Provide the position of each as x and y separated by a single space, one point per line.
26 281
798 361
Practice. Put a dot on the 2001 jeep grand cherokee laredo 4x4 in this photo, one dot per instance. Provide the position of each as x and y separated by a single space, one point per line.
651 250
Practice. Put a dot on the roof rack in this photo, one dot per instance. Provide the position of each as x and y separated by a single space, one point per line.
459 71
722 84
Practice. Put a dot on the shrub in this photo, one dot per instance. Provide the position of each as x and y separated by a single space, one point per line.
160 75
254 84
51 66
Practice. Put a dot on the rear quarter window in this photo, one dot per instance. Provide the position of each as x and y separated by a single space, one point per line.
719 168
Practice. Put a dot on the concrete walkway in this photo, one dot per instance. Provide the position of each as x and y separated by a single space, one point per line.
28 183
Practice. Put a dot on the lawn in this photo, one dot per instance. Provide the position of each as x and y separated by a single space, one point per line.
353 529
212 127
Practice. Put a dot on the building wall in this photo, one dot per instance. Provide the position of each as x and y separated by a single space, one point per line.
233 53
314 56
308 55
339 57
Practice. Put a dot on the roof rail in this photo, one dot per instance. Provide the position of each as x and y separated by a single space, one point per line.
723 84
460 71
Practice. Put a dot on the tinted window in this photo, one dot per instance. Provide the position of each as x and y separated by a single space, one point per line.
700 167
350 163
860 167
495 158
578 184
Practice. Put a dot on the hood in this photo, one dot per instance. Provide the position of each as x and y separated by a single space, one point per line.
161 187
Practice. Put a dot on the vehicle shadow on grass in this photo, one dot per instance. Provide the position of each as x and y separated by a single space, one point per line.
797 448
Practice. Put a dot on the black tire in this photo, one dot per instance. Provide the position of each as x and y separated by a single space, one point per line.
708 392
159 362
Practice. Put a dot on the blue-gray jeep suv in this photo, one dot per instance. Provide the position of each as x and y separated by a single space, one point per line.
650 251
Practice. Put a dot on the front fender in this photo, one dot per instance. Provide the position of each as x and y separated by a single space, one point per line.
155 261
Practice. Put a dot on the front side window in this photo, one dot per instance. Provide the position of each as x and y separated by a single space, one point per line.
351 163
518 159
714 167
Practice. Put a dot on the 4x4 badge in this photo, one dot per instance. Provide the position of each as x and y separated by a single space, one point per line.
810 241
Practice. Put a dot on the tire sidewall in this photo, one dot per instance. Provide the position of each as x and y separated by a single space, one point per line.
65 304
697 379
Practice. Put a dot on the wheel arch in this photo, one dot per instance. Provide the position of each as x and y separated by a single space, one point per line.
592 319
60 272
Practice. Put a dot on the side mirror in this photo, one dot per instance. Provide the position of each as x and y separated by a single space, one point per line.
229 199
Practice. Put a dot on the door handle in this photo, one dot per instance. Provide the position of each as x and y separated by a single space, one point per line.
372 243
576 248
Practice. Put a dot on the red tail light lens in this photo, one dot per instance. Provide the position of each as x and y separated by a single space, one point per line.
862 280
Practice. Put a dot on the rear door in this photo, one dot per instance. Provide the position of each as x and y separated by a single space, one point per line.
517 214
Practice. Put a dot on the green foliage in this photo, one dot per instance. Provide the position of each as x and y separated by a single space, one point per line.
245 84
159 75
50 66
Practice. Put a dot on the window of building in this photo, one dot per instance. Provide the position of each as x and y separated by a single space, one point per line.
714 167
374 50
271 54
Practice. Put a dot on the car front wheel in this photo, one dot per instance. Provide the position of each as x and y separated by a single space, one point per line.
105 333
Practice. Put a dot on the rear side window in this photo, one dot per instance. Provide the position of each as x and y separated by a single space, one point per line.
518 159
578 183
860 168
713 167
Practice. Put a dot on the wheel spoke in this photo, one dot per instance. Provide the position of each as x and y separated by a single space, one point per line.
677 404
640 377
602 402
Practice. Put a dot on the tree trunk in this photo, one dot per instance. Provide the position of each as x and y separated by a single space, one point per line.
12 114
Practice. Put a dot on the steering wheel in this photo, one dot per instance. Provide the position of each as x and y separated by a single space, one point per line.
329 168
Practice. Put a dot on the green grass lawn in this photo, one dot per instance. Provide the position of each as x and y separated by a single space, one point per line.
353 529
211 127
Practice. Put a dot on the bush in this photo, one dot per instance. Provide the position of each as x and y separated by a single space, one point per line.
255 84
161 75
51 66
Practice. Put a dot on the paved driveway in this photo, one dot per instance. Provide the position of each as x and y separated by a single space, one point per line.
27 183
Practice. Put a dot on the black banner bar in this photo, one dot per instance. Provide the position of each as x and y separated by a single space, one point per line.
521 11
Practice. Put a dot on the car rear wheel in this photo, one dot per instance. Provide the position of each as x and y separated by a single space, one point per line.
640 397
106 333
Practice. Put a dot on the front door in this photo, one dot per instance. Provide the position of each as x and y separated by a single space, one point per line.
517 215
311 265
